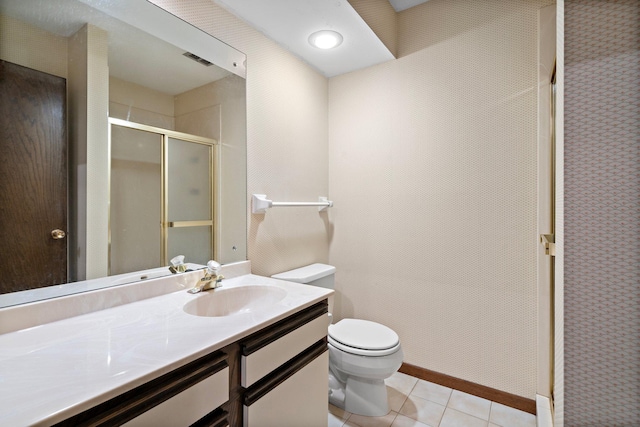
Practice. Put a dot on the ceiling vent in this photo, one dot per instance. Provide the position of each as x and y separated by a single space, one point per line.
198 59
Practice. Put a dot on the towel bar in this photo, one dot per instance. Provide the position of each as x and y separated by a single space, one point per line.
260 204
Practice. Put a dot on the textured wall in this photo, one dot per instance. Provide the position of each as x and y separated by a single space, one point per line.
286 141
432 168
602 213
88 100
381 18
32 47
139 104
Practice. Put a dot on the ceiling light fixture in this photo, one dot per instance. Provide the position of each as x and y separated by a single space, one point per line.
325 39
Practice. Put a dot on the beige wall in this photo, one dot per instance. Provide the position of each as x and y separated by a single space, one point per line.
32 47
286 141
88 98
432 168
198 111
139 104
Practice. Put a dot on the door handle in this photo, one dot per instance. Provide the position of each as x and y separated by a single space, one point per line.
548 240
58 234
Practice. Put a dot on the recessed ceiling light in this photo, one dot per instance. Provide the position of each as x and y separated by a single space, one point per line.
325 39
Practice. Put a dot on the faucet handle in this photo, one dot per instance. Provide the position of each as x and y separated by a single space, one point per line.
177 264
213 267
211 279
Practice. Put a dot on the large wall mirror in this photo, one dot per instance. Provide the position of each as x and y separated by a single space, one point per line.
124 130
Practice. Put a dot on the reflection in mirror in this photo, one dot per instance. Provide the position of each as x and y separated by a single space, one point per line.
135 210
143 67
170 210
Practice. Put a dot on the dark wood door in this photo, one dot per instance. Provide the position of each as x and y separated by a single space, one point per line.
33 178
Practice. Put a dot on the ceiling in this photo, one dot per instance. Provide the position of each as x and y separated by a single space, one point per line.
290 22
400 5
132 52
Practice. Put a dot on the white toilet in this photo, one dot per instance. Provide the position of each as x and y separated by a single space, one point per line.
362 354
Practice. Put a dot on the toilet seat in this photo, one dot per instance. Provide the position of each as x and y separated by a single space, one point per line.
363 337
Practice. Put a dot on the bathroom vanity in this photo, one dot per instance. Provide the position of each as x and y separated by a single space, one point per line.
250 353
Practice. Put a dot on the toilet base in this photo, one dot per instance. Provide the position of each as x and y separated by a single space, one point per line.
359 396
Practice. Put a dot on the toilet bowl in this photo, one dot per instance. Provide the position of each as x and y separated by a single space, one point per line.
362 354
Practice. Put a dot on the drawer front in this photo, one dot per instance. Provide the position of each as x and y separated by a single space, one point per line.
172 392
301 400
261 362
188 406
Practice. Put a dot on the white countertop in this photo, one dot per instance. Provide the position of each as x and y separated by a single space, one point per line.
52 371
54 291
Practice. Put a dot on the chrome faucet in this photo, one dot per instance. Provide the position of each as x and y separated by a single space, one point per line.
211 279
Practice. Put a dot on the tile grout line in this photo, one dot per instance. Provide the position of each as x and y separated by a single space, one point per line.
394 419
491 410
407 397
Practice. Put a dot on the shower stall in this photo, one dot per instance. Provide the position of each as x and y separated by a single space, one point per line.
162 197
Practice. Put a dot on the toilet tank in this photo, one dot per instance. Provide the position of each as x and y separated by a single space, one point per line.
315 275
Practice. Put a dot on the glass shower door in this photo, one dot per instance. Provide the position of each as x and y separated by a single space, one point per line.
189 203
135 200
161 197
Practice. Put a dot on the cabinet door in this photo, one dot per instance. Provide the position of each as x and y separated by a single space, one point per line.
300 400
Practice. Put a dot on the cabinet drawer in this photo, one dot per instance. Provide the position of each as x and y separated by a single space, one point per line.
256 363
299 400
189 406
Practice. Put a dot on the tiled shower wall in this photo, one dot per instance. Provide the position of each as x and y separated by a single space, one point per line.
432 167
602 213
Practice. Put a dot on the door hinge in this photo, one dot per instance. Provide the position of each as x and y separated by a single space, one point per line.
548 240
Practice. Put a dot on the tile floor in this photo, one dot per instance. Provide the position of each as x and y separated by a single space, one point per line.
419 403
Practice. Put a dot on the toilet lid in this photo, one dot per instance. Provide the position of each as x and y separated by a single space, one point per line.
363 334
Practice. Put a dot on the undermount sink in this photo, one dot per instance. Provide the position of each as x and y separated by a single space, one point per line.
228 302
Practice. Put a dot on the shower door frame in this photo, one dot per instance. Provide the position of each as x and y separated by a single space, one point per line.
546 202
165 224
